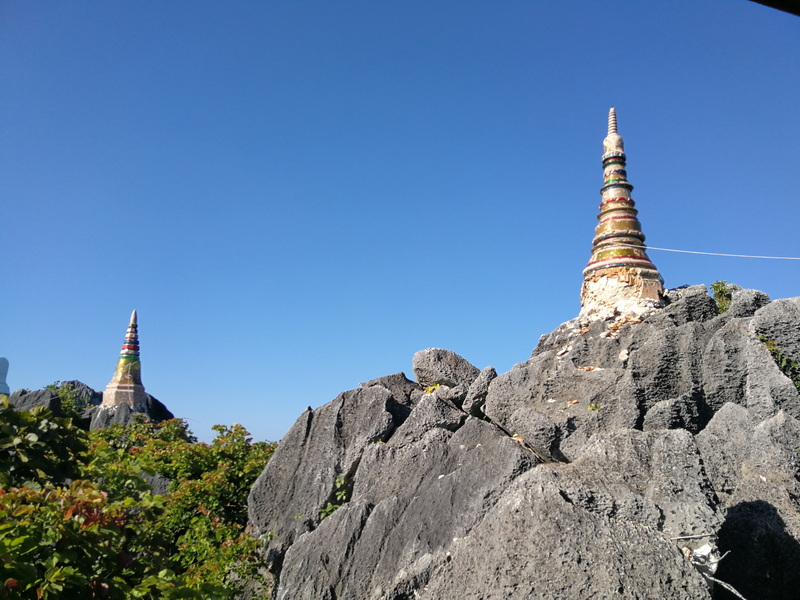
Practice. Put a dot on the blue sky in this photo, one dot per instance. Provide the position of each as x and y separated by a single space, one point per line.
297 196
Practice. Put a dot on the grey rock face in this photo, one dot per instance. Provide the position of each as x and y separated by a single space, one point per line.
286 499
476 394
105 416
754 466
83 392
28 400
404 514
592 470
156 410
688 411
538 542
745 303
158 483
779 322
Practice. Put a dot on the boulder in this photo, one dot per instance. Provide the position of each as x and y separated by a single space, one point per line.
28 400
688 411
553 536
82 392
436 366
779 323
156 410
745 303
685 305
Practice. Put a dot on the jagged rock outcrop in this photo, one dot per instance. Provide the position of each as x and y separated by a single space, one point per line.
93 415
121 414
28 400
621 460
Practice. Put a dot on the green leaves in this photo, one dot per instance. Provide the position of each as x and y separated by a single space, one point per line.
77 519
722 295
71 403
341 493
37 448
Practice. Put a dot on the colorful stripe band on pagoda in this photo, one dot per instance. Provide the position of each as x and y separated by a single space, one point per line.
130 348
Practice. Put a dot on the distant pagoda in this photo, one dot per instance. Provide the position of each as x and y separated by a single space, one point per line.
126 385
620 279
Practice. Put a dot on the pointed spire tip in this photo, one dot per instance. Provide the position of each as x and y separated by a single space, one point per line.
612 121
133 317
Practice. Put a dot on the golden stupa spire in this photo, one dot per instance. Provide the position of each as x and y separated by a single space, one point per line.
620 278
126 385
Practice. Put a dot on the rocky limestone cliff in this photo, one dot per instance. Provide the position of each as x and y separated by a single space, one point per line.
622 460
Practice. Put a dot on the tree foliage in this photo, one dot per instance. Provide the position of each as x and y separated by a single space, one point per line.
71 402
78 518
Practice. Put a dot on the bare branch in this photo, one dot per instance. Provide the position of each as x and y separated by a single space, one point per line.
693 537
727 586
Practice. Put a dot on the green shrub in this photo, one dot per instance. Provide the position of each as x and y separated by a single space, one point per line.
722 295
72 404
105 534
38 449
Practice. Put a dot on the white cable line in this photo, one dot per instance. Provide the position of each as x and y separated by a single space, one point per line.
710 253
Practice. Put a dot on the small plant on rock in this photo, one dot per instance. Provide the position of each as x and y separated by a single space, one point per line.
342 491
722 295
788 367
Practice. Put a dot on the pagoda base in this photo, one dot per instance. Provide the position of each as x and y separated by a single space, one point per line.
627 292
121 393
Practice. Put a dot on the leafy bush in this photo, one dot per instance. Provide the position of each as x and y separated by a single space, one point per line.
38 449
76 542
71 402
105 534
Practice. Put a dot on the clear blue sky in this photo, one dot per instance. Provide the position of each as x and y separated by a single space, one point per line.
297 196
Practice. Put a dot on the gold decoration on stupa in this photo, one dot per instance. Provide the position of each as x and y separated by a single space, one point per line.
620 279
126 385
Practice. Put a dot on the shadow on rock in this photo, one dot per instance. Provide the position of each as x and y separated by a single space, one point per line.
763 558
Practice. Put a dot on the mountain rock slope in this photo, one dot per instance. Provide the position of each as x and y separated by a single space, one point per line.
622 460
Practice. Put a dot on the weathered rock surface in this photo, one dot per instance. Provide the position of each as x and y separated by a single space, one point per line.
325 443
28 400
602 467
104 416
